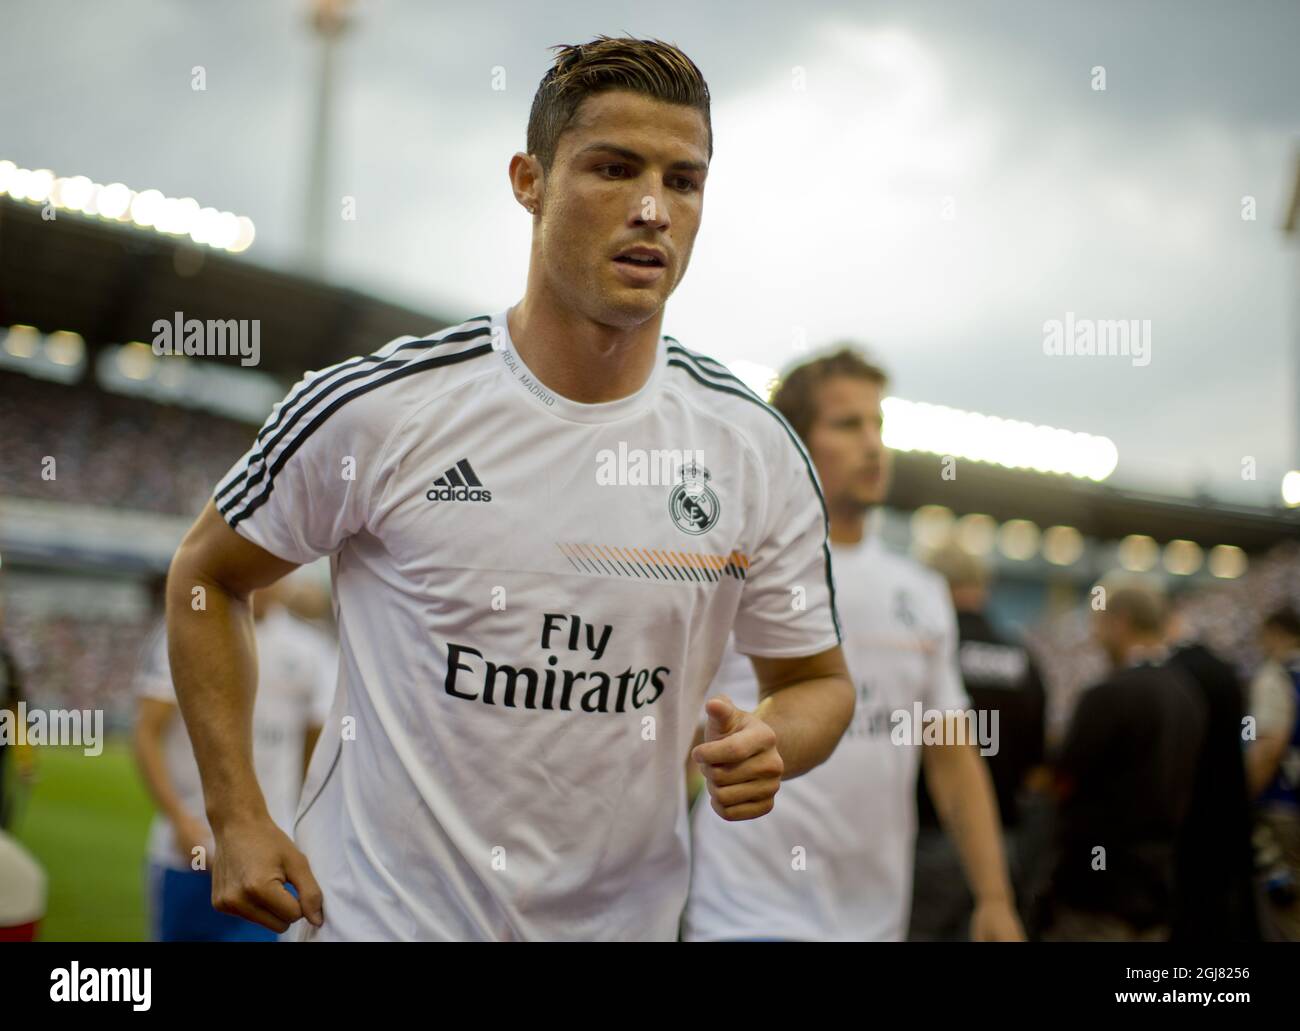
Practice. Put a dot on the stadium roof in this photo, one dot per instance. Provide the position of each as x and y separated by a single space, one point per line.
1095 510
110 282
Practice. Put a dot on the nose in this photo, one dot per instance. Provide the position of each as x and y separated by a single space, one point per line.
872 440
650 208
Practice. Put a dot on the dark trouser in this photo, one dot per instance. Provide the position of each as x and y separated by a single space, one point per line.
941 902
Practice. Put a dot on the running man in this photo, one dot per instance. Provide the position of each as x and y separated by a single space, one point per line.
834 860
543 525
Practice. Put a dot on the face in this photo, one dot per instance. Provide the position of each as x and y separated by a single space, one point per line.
628 173
846 446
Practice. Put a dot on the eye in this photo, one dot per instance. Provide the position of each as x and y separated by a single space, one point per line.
616 168
684 184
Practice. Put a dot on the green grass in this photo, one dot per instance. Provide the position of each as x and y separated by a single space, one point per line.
86 818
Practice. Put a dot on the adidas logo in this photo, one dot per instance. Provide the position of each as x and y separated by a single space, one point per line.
459 483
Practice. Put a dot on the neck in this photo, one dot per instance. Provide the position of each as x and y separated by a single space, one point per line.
848 526
577 357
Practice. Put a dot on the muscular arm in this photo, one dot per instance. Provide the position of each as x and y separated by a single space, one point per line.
805 704
214 667
808 702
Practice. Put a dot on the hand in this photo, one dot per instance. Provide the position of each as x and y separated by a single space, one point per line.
254 859
995 921
189 834
739 760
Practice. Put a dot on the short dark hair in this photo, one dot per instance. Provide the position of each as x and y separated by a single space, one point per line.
646 66
1284 619
795 396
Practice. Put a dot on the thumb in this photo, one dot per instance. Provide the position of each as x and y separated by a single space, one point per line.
309 894
723 717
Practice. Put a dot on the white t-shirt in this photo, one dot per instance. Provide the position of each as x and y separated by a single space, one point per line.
525 645
1272 697
833 859
297 670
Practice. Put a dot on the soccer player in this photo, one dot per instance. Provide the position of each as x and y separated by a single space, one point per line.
296 672
999 674
834 859
543 524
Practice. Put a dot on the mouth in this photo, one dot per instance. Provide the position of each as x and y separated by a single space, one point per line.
641 264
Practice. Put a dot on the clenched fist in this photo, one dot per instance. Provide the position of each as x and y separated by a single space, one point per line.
739 760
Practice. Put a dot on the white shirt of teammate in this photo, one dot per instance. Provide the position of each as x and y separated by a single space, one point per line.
833 860
297 670
529 613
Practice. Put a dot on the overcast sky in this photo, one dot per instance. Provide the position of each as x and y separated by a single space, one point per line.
825 207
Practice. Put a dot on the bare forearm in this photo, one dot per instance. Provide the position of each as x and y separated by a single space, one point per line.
1262 760
214 667
962 790
809 718
153 771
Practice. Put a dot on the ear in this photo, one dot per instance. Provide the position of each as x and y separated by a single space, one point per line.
527 181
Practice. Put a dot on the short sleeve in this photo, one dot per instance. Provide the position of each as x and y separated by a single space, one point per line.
945 688
787 605
302 489
1272 700
153 674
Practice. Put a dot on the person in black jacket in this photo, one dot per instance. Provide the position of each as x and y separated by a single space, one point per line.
1125 779
1214 894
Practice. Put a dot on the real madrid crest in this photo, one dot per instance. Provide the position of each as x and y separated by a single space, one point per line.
693 504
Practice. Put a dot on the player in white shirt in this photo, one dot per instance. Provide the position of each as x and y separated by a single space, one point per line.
834 860
297 669
532 594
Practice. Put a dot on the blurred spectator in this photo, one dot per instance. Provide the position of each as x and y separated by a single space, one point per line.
1273 767
23 889
120 452
1215 896
1125 775
15 760
1000 677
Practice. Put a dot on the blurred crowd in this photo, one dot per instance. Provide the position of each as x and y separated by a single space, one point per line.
110 450
1225 615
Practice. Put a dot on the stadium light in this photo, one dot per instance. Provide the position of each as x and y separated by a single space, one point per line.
932 525
939 430
1018 539
1062 545
1291 488
21 340
1182 558
975 533
1227 561
117 202
63 347
1138 553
